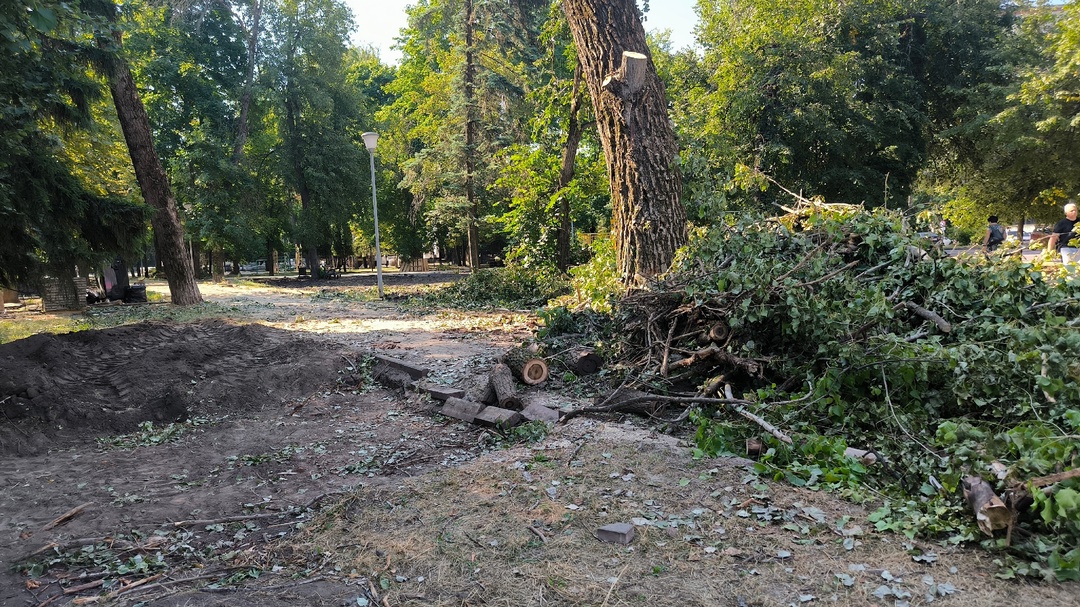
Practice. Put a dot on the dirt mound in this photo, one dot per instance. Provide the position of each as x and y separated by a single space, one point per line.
60 390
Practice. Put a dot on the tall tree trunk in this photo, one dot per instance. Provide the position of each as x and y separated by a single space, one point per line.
154 183
196 255
251 33
566 174
470 137
639 143
217 264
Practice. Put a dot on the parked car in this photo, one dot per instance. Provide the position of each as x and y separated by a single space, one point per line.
1035 239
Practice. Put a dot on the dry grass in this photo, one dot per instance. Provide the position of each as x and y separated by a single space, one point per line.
517 528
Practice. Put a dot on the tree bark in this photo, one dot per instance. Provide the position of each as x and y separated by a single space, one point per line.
471 123
154 183
217 264
639 144
990 512
502 381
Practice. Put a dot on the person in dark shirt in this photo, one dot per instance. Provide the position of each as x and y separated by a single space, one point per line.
994 236
1063 239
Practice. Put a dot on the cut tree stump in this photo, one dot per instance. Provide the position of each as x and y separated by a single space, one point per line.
529 368
502 382
990 512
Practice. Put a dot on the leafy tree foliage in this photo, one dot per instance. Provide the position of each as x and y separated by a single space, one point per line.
53 215
458 101
319 122
1014 153
553 184
196 59
940 365
840 99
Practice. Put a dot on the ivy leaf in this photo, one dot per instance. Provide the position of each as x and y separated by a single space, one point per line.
43 19
1068 502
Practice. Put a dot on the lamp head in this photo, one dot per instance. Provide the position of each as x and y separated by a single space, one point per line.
370 140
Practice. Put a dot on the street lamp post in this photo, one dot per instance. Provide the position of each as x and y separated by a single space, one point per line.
370 140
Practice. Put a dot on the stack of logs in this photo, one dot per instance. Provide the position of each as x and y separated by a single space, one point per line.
499 405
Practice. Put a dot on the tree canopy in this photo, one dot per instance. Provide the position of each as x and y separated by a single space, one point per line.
490 144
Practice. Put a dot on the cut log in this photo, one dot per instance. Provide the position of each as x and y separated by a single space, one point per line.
502 382
718 334
527 366
583 362
866 457
754 447
990 512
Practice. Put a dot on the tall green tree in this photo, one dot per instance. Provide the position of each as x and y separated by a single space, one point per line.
839 98
320 124
1013 153
153 181
196 59
53 214
553 184
458 101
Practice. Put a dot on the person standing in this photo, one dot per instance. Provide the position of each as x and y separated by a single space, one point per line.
1063 239
994 236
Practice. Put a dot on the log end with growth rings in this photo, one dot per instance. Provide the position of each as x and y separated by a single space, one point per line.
534 371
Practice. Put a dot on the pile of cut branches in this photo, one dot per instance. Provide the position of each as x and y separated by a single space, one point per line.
835 326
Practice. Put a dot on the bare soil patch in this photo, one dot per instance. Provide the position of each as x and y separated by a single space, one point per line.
295 483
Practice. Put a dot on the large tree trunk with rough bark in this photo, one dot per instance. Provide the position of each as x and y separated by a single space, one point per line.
154 183
639 144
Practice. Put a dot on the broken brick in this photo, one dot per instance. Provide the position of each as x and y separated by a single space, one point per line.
536 412
464 410
498 417
616 533
443 392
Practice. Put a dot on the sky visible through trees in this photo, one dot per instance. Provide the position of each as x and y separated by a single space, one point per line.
378 23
